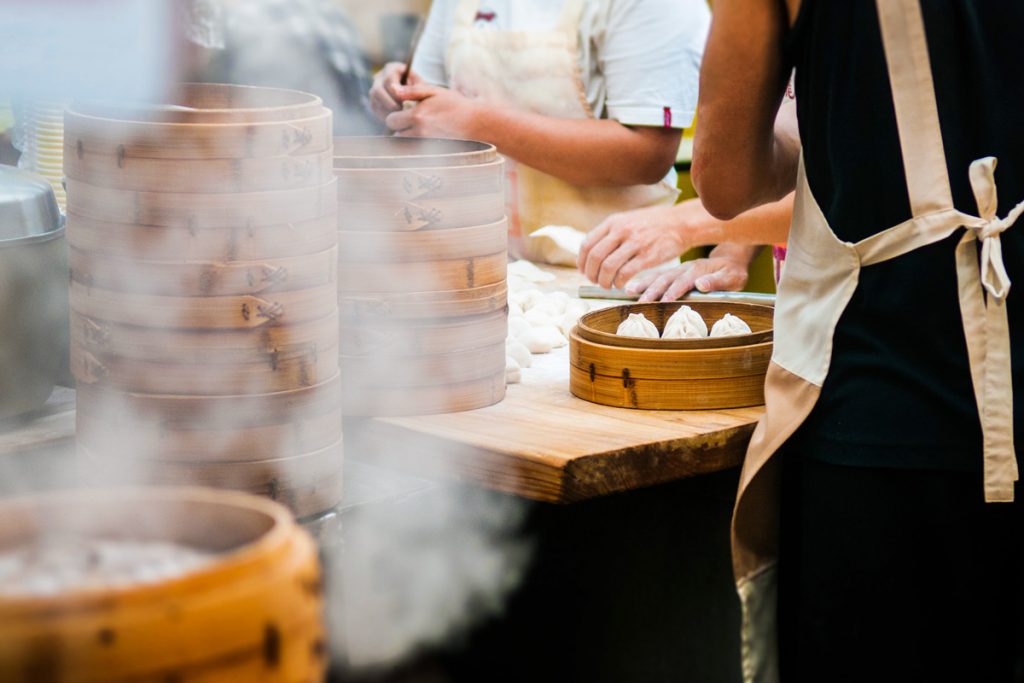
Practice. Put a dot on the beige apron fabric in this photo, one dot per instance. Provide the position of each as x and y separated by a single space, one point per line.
820 276
538 71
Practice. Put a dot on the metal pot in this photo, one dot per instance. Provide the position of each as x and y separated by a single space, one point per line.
33 292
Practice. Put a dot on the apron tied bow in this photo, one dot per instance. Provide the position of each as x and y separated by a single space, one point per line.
987 329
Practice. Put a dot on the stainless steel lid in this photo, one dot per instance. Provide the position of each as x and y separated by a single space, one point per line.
28 208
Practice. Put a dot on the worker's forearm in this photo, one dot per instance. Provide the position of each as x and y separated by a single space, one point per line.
586 152
765 224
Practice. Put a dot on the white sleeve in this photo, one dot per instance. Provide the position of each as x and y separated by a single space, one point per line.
650 55
429 61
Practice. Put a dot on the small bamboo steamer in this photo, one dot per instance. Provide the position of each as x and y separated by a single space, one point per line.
265 345
408 247
308 483
254 613
424 400
204 278
374 152
198 176
234 243
417 337
209 313
202 211
655 374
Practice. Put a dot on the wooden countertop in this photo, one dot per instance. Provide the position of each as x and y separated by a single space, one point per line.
541 442
545 444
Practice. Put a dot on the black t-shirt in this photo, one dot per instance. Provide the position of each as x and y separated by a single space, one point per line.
899 391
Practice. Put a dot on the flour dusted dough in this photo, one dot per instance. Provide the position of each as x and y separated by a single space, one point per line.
516 349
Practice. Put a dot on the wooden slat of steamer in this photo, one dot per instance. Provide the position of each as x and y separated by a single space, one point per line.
263 578
665 394
197 176
210 412
203 347
422 214
423 245
452 398
372 335
234 243
368 372
129 442
308 483
389 185
211 312
87 135
201 211
204 278
424 276
670 364
419 305
279 373
393 152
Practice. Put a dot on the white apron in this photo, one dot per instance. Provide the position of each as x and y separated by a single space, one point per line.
819 278
539 72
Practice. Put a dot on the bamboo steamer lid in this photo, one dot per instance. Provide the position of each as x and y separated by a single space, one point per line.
255 612
232 243
308 483
198 176
658 374
267 344
423 245
201 211
204 278
403 153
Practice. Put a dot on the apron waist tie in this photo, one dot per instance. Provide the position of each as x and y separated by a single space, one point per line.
987 330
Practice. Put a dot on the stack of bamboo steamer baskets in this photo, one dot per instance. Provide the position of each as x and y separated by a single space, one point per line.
422 249
252 612
204 292
710 373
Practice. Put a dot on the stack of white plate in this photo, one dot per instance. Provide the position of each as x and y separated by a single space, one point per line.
42 143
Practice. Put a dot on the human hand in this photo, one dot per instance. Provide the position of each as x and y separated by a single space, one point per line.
631 241
439 113
383 97
724 270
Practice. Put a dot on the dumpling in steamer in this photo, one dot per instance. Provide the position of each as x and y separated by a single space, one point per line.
685 323
637 325
729 326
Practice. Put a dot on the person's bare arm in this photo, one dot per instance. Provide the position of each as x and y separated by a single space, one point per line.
586 152
743 156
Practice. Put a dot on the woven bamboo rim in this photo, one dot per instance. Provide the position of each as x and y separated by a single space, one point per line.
309 483
423 305
210 312
283 372
423 245
388 185
207 103
365 336
264 345
438 369
422 276
264 581
204 278
177 443
236 243
393 152
450 398
201 211
210 412
599 326
198 176
670 364
422 214
661 394
86 136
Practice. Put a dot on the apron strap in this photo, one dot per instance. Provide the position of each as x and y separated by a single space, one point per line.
913 96
982 280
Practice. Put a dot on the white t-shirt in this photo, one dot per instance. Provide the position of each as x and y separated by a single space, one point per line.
637 57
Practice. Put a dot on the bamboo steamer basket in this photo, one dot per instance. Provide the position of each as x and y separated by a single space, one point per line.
372 306
425 336
670 374
255 612
417 400
408 184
